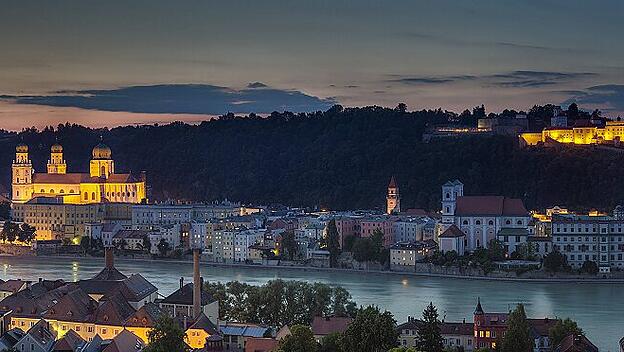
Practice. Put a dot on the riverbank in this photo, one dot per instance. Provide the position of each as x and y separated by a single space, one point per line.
550 279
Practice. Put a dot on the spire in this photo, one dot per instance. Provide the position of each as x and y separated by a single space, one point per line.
392 183
479 309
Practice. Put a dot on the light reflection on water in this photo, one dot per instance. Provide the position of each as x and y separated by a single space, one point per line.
598 308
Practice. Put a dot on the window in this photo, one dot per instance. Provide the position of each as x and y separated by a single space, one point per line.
86 195
478 222
508 222
491 222
92 195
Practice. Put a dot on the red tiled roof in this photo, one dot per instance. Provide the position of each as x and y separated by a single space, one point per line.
77 178
576 343
328 325
457 328
260 344
490 206
452 232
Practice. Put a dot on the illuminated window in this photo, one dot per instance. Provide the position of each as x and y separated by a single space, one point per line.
487 333
92 195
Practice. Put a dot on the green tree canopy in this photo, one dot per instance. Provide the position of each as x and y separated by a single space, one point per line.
166 336
562 329
429 335
300 339
518 337
371 331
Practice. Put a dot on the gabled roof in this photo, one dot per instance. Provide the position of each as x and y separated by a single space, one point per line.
115 311
12 285
328 325
123 234
146 316
108 274
133 289
203 323
41 333
261 344
466 329
576 343
541 327
70 342
452 232
184 296
489 206
25 304
78 178
125 341
75 306
10 338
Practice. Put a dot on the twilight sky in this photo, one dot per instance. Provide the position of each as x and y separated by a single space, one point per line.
117 62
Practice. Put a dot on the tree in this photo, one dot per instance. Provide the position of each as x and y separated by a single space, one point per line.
331 343
289 244
85 243
163 247
5 210
555 261
563 328
429 336
166 336
300 339
147 244
363 250
524 251
402 349
10 231
26 233
518 337
333 243
590 267
371 331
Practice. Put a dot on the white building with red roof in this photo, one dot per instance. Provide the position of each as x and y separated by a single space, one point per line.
480 217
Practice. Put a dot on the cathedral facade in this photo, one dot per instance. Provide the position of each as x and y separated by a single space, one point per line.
100 185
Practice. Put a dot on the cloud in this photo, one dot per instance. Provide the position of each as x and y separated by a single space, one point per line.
183 99
607 97
257 85
432 79
456 41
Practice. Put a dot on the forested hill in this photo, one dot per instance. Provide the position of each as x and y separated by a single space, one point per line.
338 159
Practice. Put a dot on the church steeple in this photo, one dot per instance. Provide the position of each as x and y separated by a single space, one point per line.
393 198
56 164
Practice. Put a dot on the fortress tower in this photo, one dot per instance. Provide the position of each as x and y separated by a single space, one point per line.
393 198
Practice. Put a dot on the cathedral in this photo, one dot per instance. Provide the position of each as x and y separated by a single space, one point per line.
100 185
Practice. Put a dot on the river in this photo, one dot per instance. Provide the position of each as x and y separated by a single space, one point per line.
597 307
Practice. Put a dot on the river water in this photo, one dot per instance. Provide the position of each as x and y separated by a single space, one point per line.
598 308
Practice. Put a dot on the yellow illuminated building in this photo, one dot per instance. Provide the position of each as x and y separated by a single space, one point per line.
100 185
612 132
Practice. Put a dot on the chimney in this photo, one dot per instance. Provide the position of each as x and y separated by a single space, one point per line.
196 284
109 260
181 282
40 279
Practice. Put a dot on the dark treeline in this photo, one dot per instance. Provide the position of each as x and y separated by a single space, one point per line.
341 158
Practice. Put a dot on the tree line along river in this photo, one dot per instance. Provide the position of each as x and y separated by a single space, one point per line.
597 307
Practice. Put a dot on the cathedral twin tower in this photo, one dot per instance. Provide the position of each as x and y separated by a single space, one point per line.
101 184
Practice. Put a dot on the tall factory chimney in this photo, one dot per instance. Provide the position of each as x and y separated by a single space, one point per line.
197 283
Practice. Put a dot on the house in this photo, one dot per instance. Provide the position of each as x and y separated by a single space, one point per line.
406 254
454 335
10 338
576 343
180 303
132 240
323 326
512 238
452 239
198 333
236 335
39 338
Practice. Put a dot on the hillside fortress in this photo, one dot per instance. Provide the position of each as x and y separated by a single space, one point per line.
100 185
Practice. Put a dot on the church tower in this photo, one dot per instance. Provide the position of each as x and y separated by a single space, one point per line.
102 164
450 191
22 171
393 199
56 164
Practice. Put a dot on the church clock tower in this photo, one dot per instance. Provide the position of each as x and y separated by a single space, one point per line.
22 170
393 199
